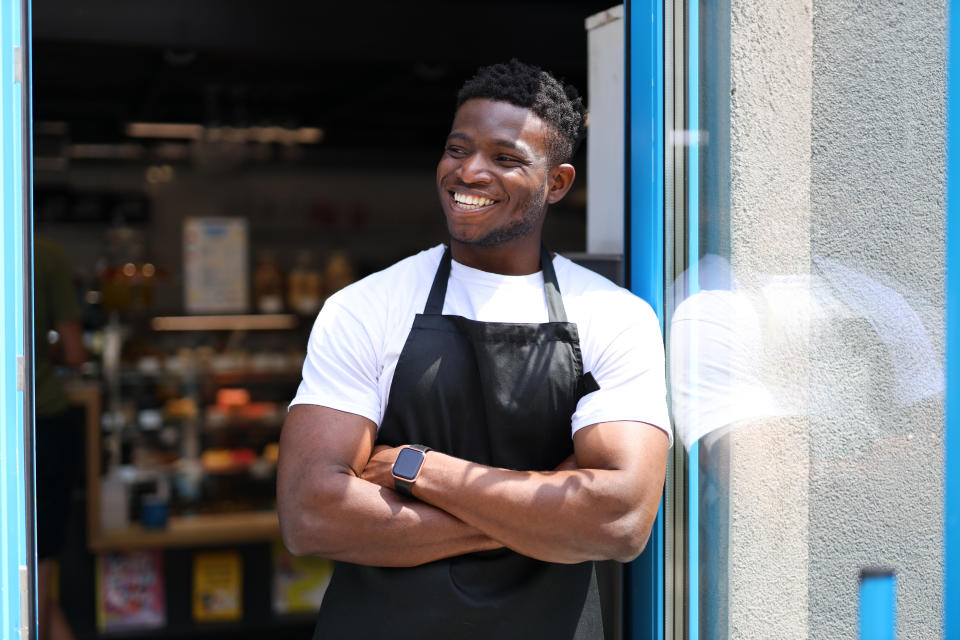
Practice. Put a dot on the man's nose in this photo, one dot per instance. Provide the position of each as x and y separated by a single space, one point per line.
474 170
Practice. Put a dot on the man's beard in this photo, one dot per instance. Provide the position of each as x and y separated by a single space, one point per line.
513 230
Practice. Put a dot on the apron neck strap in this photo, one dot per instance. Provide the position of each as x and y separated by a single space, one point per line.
551 289
438 292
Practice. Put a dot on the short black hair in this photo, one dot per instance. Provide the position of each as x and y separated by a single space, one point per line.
524 85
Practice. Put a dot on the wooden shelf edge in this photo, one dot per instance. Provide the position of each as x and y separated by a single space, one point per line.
192 531
227 322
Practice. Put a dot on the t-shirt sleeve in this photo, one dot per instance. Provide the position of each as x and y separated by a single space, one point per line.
630 372
341 370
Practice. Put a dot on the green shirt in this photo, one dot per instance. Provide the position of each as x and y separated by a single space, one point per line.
54 301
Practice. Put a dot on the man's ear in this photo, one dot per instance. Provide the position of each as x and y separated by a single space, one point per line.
560 180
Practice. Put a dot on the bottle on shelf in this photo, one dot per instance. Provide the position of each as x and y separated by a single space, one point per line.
305 286
267 284
338 272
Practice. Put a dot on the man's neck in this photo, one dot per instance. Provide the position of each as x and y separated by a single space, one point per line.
517 258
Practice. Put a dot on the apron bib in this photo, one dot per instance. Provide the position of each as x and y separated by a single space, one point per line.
499 394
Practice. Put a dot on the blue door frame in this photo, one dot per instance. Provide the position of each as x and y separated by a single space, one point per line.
644 270
17 604
952 454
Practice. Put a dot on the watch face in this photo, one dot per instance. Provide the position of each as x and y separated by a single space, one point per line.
408 464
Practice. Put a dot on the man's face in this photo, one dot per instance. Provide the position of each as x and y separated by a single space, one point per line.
493 178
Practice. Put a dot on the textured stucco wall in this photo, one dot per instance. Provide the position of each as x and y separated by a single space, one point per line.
770 88
770 125
877 198
836 223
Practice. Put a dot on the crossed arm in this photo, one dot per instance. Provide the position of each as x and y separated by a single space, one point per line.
335 497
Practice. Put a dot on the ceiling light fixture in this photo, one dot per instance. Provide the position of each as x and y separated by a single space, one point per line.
165 130
238 135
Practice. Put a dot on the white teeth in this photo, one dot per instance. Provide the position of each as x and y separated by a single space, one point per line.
471 201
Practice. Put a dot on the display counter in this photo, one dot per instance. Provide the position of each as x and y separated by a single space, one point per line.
192 424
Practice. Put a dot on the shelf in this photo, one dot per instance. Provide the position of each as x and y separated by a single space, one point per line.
248 322
189 531
253 376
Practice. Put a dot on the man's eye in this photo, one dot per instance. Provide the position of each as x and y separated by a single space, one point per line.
509 160
456 151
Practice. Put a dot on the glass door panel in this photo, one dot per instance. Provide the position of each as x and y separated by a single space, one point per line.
806 325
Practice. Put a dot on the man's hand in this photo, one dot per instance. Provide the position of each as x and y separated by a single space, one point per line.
379 469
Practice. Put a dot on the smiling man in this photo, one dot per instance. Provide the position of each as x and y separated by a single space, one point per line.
479 422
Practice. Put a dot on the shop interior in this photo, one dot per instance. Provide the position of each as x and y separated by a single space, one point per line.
214 170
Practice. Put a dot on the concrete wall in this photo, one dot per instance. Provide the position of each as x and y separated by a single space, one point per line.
770 128
877 197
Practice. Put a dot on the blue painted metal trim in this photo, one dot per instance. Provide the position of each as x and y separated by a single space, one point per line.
29 382
643 578
13 542
693 542
693 271
644 252
878 605
643 586
952 426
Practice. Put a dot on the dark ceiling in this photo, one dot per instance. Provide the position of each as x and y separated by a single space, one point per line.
373 75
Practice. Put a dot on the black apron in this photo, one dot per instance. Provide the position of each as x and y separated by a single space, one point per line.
500 394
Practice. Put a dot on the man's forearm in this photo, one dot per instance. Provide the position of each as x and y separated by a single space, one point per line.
363 523
561 516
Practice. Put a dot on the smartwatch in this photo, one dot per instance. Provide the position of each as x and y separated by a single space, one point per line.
407 467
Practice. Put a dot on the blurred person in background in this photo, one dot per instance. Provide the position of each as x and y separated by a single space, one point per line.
58 340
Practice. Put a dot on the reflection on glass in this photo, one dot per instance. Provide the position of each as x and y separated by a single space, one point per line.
734 351
816 400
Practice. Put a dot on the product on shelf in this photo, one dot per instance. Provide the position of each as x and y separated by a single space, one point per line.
130 591
230 399
267 284
217 586
224 460
271 452
304 286
298 582
180 409
338 272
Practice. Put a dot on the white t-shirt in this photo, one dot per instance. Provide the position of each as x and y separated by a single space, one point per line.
359 333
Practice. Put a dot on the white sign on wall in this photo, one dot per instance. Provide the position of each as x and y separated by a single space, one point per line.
215 265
